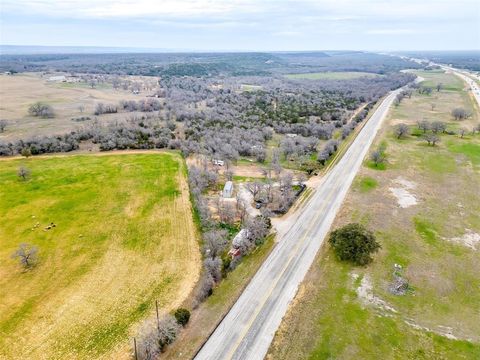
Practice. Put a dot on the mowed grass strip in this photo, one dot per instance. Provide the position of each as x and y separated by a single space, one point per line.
124 237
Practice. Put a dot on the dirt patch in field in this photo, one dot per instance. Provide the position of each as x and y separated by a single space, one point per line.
365 294
402 192
470 239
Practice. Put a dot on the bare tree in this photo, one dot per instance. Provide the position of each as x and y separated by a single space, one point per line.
286 181
23 173
424 125
377 156
438 127
215 242
257 228
476 128
323 156
301 178
3 125
228 174
255 188
81 108
260 154
154 336
277 169
241 209
168 329
136 87
92 83
27 255
431 138
147 344
116 82
460 114
228 213
204 289
213 266
401 130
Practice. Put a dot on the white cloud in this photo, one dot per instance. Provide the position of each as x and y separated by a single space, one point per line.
297 24
287 33
130 8
329 10
390 31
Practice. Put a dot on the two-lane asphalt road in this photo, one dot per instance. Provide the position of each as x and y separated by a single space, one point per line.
249 327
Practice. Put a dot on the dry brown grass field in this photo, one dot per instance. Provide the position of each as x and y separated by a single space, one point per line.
19 91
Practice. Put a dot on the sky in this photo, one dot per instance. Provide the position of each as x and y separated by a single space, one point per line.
244 25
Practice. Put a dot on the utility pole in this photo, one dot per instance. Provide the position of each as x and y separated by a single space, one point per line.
158 318
135 347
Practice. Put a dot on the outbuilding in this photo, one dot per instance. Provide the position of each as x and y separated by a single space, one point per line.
228 190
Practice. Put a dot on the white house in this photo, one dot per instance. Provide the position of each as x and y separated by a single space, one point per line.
228 190
59 78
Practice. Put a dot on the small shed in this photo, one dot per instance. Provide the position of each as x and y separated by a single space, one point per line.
228 190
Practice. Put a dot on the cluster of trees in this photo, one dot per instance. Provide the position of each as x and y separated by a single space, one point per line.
426 90
216 239
205 64
154 335
102 108
402 95
135 133
435 127
41 110
223 121
328 150
430 130
143 105
42 145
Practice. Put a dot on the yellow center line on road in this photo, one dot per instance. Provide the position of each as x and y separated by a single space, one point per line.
277 279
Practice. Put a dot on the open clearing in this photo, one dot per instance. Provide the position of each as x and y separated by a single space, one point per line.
124 237
330 75
345 312
18 92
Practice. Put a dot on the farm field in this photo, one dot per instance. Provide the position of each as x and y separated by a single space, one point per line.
124 237
18 92
432 238
331 75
